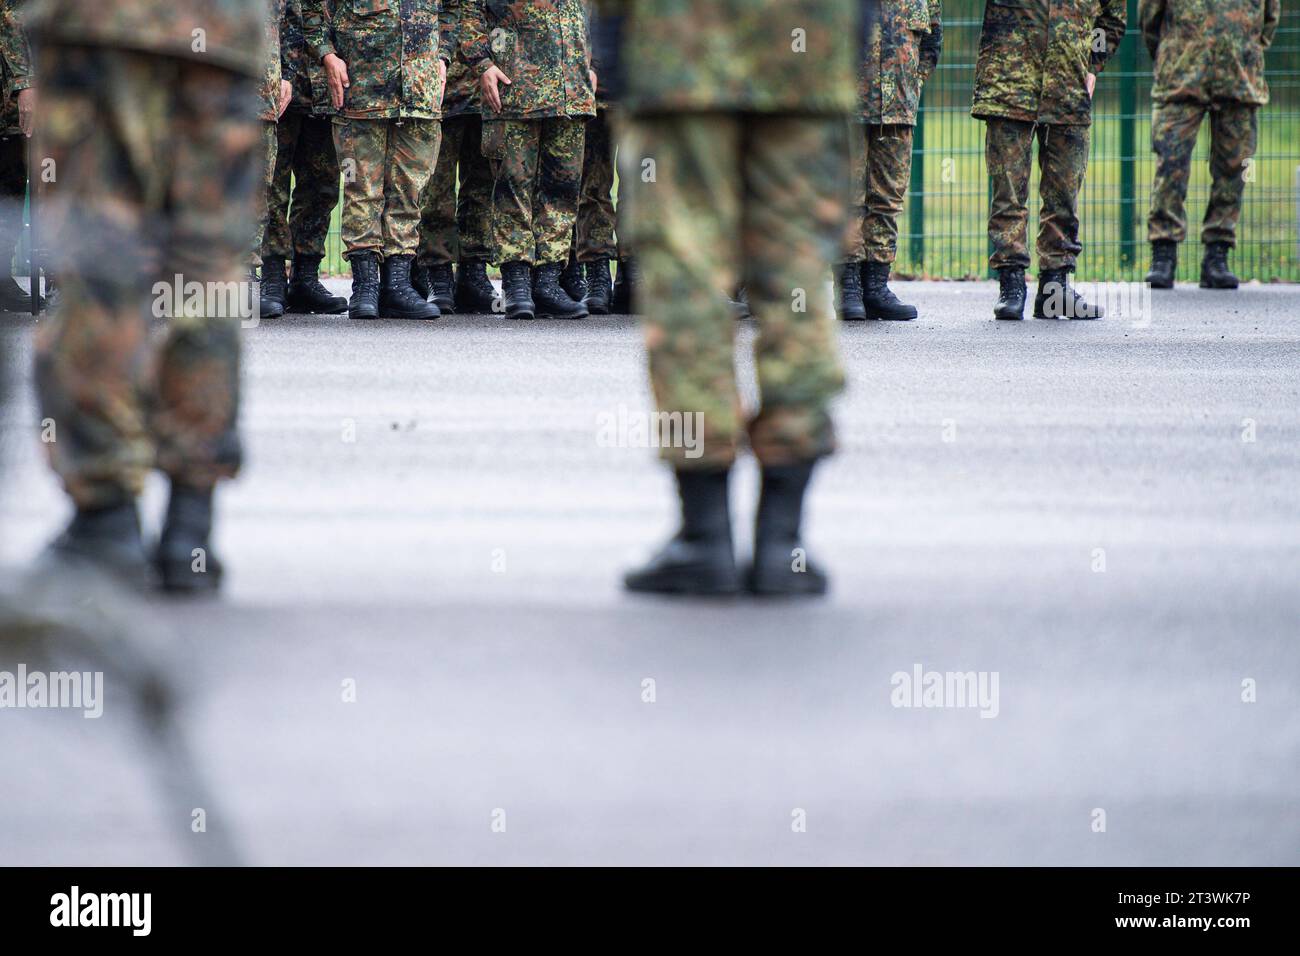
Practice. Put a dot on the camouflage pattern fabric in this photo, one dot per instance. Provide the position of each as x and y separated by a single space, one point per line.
462 95
456 223
881 171
536 177
1034 57
272 68
222 33
749 198
298 223
386 164
1062 162
1209 50
595 234
797 56
13 193
300 67
540 45
903 54
15 59
119 220
391 48
1233 132
270 147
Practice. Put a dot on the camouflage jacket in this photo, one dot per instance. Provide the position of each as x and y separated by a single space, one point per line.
391 48
15 63
300 68
462 96
223 33
540 45
1035 54
272 69
1209 50
903 54
796 56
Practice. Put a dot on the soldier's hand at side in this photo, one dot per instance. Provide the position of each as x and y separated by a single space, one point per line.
336 76
27 110
1090 81
442 85
592 75
491 92
286 94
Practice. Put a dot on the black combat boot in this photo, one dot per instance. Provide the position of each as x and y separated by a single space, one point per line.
475 294
442 286
881 303
781 565
600 287
1057 299
573 280
699 559
517 290
551 299
107 537
625 285
13 298
420 280
184 558
364 303
848 292
1215 273
1012 293
273 294
397 300
1164 264
307 296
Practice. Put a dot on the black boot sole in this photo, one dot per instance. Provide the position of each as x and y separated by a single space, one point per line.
684 581
447 306
785 584
270 311
522 314
579 314
299 307
177 577
879 315
1007 315
388 311
366 313
1222 286
1160 283
852 315
597 308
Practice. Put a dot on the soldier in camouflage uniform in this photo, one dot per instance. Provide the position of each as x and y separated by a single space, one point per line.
304 184
16 84
149 115
385 66
276 90
903 54
744 109
1209 57
533 61
1034 78
456 220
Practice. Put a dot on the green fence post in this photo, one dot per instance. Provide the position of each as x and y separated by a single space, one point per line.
917 186
1128 141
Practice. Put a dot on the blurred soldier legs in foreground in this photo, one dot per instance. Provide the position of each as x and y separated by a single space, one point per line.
597 240
276 91
156 159
901 57
750 150
304 186
1208 59
1034 79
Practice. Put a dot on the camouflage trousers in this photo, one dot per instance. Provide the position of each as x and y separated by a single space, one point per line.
752 198
158 162
304 187
536 177
1062 162
270 146
13 191
386 165
595 235
1174 126
456 221
881 170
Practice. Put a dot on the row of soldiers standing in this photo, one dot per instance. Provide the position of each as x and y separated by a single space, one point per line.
436 186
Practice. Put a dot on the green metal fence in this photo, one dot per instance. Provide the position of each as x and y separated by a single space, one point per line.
943 232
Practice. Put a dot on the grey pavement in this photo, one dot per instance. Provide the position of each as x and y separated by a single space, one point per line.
1106 516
